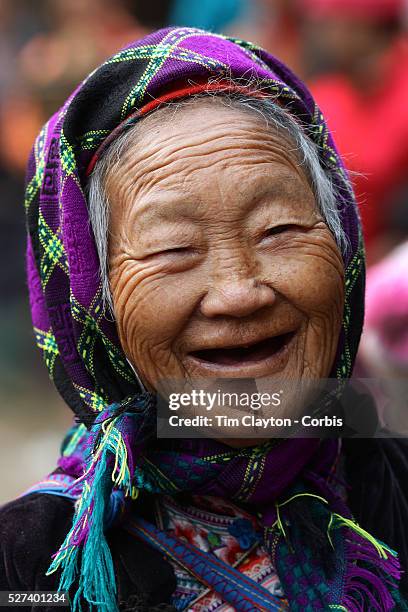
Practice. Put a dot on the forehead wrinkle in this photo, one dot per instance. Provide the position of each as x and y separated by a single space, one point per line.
203 145
188 204
160 138
185 187
178 158
141 175
157 208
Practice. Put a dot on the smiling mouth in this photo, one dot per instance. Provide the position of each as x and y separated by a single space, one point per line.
239 355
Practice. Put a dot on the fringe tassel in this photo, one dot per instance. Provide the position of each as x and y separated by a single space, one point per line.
372 569
372 586
112 441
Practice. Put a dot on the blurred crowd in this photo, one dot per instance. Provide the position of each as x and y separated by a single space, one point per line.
352 53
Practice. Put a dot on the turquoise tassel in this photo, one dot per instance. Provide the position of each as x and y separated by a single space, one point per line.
108 466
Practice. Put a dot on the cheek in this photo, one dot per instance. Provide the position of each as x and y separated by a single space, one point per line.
151 309
319 290
312 280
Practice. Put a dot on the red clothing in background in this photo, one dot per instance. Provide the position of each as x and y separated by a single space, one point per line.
371 130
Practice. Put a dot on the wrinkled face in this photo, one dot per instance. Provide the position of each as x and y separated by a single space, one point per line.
220 264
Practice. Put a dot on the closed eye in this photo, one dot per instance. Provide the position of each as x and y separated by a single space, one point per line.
170 252
279 229
176 251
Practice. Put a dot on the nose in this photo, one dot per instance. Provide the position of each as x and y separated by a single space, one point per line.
237 298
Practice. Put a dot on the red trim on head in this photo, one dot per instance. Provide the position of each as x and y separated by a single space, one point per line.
182 92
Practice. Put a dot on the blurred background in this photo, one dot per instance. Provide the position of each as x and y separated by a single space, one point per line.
354 56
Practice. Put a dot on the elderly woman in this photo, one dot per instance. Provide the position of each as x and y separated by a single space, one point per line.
189 217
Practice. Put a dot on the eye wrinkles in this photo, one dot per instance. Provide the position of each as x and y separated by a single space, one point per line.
183 257
169 204
164 229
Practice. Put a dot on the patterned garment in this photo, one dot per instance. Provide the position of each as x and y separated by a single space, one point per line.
218 527
114 460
